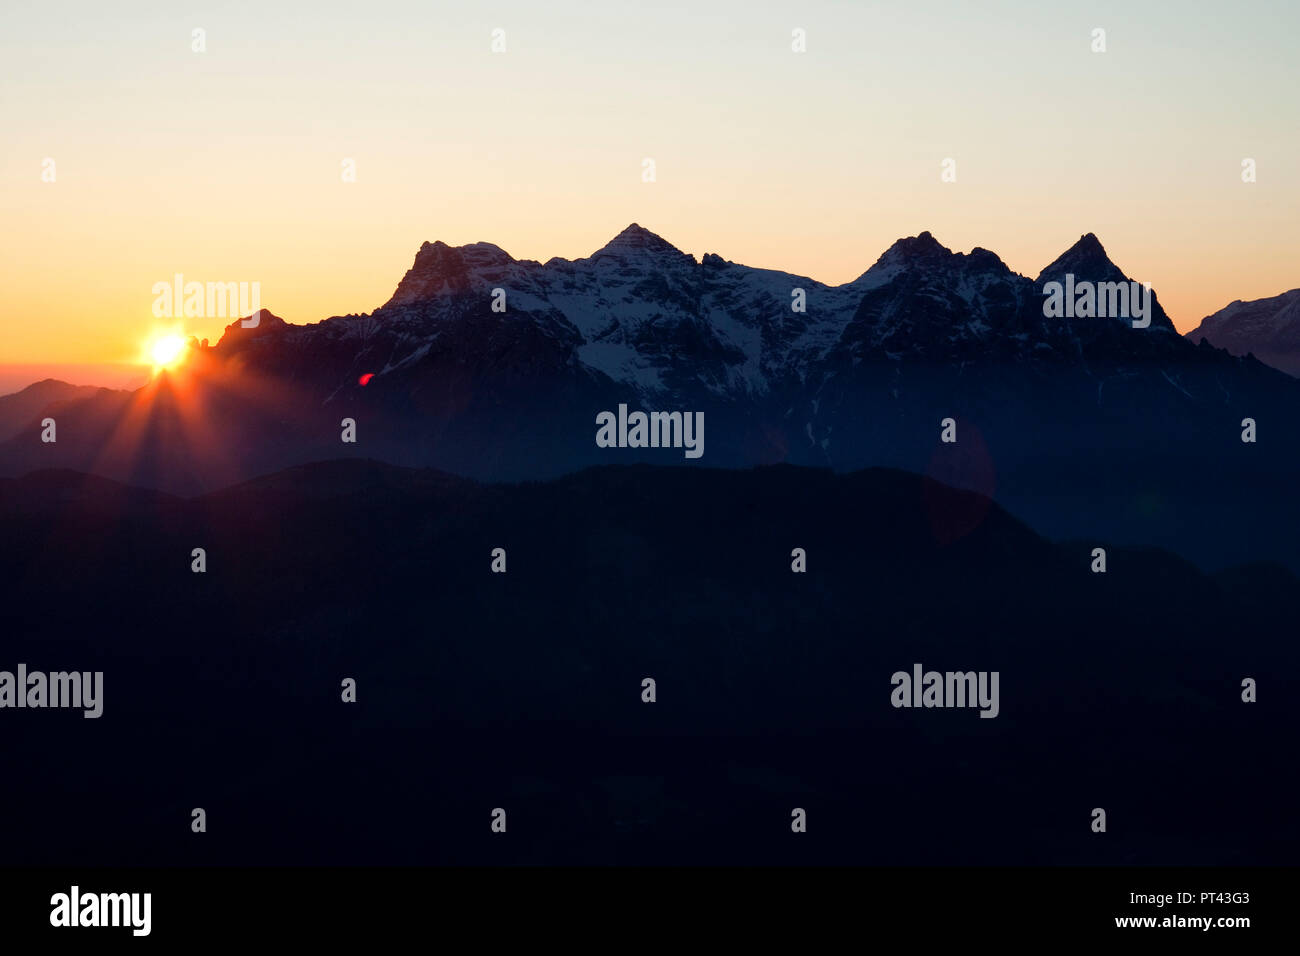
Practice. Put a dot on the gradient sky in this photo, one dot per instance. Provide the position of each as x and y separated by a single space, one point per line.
225 165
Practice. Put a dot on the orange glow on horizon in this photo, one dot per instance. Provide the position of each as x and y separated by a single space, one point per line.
1142 145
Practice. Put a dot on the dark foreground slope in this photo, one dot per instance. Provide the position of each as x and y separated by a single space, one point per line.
523 690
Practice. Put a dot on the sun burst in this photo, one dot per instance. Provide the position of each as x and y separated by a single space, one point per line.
166 350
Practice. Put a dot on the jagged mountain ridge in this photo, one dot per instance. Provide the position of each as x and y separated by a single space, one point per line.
638 307
861 378
1267 328
634 308
641 322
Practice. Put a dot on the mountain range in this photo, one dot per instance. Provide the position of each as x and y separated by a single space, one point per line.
476 428
1267 328
495 368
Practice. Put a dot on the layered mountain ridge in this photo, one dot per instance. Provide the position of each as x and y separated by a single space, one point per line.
1267 328
495 368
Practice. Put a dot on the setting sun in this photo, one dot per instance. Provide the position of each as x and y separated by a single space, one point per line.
166 351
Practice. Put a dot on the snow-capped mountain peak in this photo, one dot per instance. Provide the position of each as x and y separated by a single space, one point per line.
647 316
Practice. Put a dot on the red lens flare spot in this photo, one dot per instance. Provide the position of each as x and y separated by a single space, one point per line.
365 379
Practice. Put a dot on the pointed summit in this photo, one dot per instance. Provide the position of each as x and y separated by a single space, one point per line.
916 249
905 254
1086 262
634 240
1089 243
1086 258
